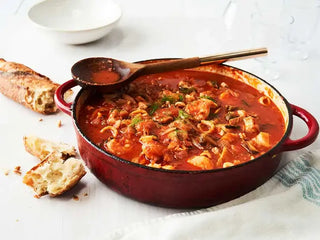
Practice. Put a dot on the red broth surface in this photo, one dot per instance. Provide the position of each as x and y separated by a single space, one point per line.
183 120
105 76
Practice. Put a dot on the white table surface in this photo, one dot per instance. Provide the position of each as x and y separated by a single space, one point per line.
148 29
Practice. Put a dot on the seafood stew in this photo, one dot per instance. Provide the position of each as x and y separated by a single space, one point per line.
184 120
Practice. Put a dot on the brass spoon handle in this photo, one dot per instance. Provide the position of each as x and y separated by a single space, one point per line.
196 61
171 65
232 56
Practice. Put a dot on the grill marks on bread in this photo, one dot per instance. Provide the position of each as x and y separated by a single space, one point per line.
27 87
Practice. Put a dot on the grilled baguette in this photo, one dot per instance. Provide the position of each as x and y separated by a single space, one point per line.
27 87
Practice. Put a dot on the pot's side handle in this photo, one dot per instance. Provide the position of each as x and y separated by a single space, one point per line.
59 96
313 130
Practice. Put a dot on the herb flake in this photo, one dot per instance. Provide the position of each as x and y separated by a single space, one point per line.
208 97
186 90
212 115
214 84
183 115
232 126
135 120
167 98
153 107
245 103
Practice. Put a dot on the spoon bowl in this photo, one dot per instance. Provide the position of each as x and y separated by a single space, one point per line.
112 74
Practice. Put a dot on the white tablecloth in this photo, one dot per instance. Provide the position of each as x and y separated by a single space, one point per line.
286 207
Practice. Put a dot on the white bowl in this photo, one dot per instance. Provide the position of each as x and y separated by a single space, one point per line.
76 21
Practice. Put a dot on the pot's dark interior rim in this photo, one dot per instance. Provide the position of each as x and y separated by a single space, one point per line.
273 150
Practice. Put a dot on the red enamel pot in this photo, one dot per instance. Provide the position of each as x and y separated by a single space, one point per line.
189 189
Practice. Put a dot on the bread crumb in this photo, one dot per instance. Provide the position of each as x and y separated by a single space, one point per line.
86 194
59 123
17 170
40 119
75 197
6 172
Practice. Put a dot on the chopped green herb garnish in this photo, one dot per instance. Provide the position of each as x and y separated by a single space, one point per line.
177 130
135 120
186 90
214 84
153 108
180 98
212 115
166 98
208 97
183 115
245 103
232 126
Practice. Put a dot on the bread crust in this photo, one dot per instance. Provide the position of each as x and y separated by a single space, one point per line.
41 148
27 87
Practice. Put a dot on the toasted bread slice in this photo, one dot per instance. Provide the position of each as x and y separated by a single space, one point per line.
54 175
41 148
27 87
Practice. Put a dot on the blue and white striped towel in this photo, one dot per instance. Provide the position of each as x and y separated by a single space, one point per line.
286 207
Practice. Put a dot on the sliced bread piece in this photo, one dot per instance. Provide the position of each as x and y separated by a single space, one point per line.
54 175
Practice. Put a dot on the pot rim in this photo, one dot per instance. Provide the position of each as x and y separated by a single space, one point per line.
273 149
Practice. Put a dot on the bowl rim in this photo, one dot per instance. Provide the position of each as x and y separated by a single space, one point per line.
108 23
272 151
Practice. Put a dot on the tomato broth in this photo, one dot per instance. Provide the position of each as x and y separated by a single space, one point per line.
183 120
